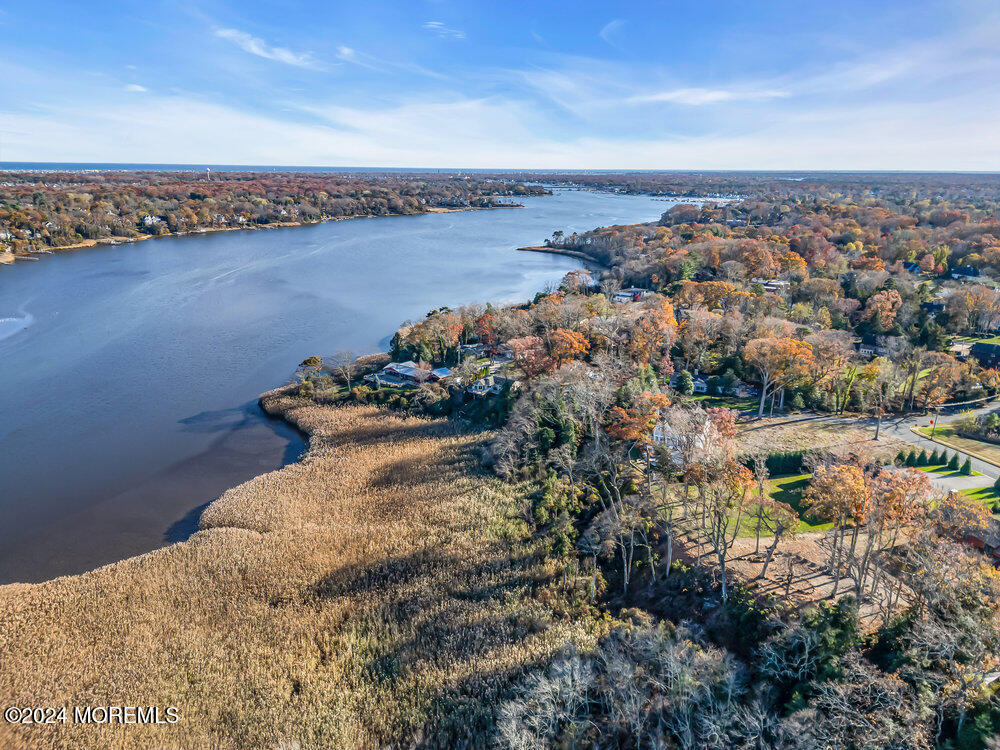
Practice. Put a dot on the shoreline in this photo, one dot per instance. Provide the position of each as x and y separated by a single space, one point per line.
566 252
275 406
376 540
11 258
264 401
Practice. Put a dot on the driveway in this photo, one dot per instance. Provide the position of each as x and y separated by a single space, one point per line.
959 482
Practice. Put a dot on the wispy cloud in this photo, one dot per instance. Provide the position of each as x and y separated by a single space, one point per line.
609 29
697 97
444 31
135 87
495 132
257 46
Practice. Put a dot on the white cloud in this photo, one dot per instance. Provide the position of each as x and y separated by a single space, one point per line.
135 87
934 105
500 132
443 31
697 97
260 48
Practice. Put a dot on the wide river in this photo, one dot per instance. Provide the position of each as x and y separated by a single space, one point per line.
129 374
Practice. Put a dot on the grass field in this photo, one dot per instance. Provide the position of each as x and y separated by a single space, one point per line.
945 434
986 495
731 402
789 489
382 592
944 471
974 340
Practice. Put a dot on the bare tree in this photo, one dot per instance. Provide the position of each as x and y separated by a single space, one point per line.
342 363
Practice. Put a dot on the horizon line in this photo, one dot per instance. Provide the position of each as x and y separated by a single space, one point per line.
72 166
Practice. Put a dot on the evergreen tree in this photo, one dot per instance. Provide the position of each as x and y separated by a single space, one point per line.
911 458
923 458
901 458
685 383
935 459
967 467
953 462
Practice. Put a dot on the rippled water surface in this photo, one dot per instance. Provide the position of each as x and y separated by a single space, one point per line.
129 374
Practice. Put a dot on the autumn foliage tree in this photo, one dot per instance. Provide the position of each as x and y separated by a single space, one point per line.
531 355
882 308
778 362
567 345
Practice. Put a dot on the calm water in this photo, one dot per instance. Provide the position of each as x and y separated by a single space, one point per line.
129 374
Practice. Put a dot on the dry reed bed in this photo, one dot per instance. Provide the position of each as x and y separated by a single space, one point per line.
378 592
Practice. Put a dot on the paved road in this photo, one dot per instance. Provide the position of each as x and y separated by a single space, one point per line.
900 428
959 482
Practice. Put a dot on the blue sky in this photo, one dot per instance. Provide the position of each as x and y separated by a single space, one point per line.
442 83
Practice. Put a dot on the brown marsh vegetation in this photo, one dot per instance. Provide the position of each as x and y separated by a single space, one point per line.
382 591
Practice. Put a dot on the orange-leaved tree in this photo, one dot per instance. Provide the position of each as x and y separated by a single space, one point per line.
779 360
531 356
567 345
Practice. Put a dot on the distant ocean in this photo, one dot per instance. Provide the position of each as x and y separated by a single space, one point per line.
787 174
52 166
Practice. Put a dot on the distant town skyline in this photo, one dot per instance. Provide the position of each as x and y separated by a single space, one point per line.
440 84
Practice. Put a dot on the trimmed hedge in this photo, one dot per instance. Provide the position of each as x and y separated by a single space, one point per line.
783 462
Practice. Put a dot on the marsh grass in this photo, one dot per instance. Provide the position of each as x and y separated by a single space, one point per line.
383 591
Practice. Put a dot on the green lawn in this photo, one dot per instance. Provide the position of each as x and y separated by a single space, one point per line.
789 489
986 495
945 434
944 471
974 340
743 404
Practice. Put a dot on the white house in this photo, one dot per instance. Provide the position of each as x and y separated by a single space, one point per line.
666 436
630 295
490 385
405 373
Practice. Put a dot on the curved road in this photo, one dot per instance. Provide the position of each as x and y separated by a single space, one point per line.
900 428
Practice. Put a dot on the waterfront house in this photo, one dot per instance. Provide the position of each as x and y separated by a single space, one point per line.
488 385
403 374
633 294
